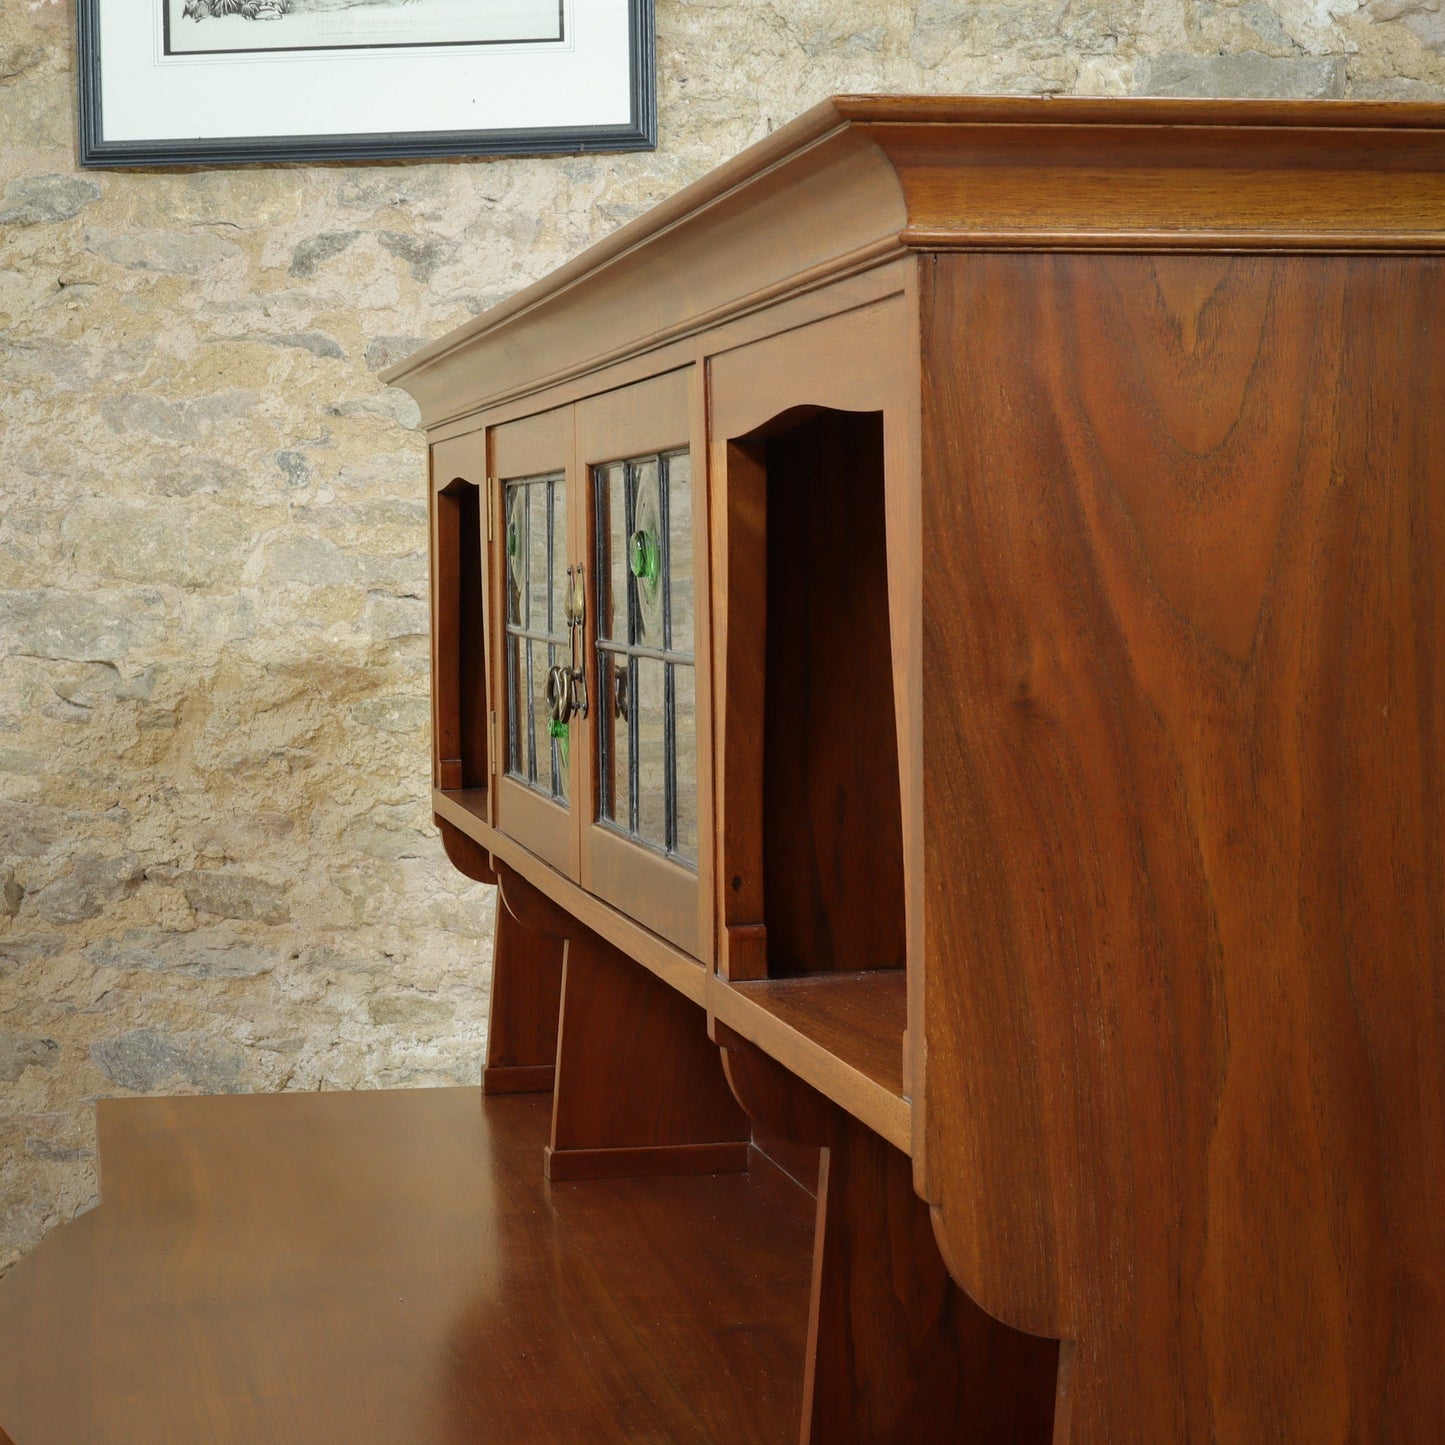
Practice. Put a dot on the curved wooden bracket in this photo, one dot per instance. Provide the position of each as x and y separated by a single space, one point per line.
776 1100
467 856
526 1002
532 908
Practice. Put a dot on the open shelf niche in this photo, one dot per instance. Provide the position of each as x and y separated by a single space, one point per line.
816 905
459 673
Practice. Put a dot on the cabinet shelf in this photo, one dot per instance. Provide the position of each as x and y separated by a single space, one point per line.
840 1032
462 807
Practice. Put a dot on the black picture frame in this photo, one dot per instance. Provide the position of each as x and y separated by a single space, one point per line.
638 133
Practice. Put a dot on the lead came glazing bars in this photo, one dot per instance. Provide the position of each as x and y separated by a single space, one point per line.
535 512
644 652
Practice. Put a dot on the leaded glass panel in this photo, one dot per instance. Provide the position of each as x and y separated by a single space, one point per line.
535 541
647 735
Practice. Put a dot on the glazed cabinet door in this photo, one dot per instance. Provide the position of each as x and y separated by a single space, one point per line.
536 507
647 831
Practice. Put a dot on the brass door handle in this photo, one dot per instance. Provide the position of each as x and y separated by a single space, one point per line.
575 609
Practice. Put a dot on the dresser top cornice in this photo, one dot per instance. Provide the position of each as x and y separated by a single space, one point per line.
858 180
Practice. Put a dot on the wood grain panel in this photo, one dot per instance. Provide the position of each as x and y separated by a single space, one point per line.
857 1017
899 1351
840 1033
1185 716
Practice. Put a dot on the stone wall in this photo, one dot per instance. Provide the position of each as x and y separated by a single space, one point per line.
217 870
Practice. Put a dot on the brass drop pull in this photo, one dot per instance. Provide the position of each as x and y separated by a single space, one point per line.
575 609
576 606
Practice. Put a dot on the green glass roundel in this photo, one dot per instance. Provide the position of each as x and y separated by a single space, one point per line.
644 556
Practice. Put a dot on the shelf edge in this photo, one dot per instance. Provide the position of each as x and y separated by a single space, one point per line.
886 1113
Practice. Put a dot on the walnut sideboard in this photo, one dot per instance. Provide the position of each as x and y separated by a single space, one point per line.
939 632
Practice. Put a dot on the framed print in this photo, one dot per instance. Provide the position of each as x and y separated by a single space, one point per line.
230 82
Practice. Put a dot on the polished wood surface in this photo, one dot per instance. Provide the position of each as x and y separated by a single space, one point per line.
1187 716
374 1268
799 1021
898 1350
639 1089
857 1018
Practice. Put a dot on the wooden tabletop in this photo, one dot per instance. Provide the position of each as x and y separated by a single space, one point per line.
392 1267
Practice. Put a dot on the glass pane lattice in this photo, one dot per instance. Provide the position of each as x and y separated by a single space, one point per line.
648 734
535 540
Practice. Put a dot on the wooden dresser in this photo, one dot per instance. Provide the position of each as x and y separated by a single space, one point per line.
940 634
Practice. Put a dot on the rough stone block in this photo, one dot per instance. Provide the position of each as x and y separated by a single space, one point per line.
18 1054
148 1060
79 627
87 885
44 200
226 895
200 954
1250 76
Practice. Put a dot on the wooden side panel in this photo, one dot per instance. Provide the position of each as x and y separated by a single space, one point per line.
524 1007
740 656
1185 922
897 1350
639 1086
